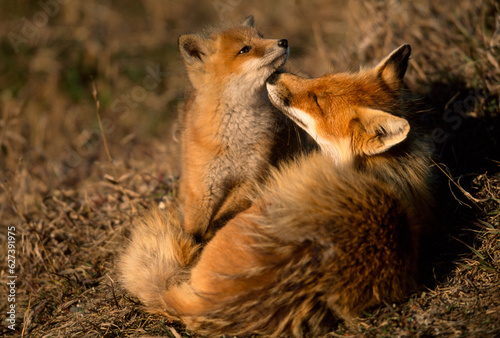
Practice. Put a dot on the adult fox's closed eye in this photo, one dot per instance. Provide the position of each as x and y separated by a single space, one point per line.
330 234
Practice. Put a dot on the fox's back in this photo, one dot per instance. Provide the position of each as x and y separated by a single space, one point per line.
361 230
320 239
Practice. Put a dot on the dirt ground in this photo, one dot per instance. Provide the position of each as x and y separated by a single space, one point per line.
89 95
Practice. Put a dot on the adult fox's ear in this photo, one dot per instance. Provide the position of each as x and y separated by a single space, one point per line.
249 21
393 68
381 131
194 49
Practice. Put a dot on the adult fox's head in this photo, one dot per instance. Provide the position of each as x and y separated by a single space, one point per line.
348 114
237 59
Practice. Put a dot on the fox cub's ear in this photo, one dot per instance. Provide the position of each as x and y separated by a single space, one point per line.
193 49
393 68
382 130
249 21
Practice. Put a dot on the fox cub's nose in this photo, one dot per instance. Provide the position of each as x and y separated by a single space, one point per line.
283 43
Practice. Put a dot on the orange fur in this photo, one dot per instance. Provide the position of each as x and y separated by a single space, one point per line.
330 234
230 129
158 256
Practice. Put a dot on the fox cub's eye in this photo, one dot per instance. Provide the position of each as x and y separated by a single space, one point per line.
244 50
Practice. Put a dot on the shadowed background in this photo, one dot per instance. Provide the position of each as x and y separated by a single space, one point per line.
71 185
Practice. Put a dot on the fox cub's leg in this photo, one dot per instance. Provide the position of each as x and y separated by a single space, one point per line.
201 205
214 198
237 200
198 212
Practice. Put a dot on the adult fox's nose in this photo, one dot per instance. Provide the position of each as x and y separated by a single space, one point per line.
283 43
273 79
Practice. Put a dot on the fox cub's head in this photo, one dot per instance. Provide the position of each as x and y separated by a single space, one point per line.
348 114
238 58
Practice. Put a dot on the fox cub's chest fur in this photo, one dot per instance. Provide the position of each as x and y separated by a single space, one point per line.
243 128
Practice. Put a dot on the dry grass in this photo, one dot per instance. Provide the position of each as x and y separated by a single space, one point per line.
72 205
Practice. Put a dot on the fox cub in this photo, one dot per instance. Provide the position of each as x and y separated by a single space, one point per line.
230 129
328 236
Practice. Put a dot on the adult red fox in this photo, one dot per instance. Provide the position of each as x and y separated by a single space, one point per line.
328 236
231 133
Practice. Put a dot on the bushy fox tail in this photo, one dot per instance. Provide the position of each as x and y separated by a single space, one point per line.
159 256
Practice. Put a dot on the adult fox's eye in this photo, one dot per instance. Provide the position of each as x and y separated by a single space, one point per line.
244 50
315 98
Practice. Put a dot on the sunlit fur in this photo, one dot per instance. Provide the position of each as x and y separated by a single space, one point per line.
159 254
348 115
231 133
326 237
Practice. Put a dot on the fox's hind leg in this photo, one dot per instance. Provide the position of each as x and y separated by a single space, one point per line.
237 200
201 205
